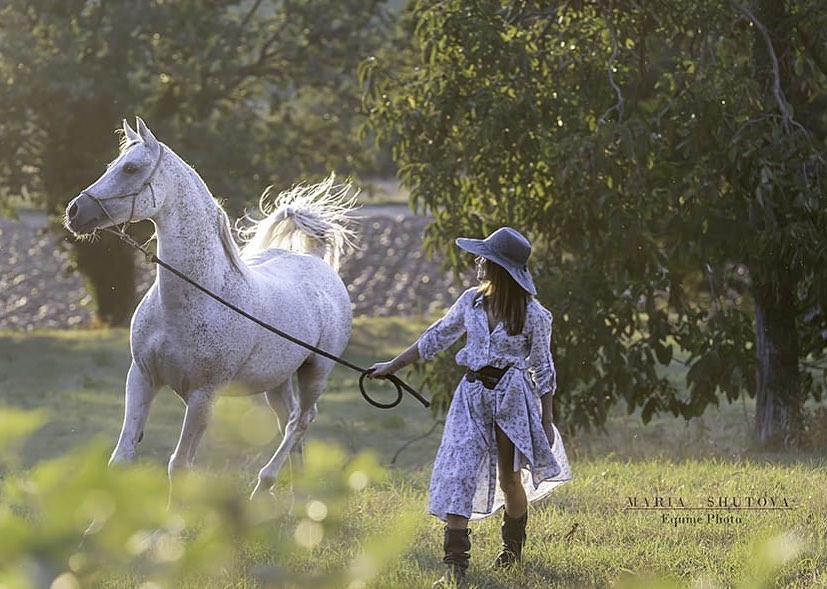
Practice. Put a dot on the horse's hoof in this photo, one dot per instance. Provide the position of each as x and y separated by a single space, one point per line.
265 484
261 490
117 460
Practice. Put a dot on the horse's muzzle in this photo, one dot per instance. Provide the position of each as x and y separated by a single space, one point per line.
83 215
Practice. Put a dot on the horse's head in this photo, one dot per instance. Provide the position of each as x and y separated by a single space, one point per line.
124 193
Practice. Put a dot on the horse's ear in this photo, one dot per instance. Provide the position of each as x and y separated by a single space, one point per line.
145 133
130 133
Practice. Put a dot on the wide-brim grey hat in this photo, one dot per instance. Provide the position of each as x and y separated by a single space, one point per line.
508 248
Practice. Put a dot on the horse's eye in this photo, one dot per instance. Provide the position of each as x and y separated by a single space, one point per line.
130 168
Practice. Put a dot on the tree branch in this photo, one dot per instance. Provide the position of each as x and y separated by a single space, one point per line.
259 66
749 122
265 53
618 106
786 117
437 423
812 50
644 30
246 20
514 12
712 290
813 365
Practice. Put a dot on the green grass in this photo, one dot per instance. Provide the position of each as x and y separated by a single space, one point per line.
77 377
382 191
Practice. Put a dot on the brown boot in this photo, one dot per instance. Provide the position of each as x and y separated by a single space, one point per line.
457 547
513 534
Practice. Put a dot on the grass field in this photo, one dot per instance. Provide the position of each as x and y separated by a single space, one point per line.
584 535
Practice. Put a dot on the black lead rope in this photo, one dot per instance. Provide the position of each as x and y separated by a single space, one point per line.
398 382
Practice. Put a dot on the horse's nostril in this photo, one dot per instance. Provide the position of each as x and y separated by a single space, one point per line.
73 210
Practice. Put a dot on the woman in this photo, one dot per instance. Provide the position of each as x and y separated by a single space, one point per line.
499 445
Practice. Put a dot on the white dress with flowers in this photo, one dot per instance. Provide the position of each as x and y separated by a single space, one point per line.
464 480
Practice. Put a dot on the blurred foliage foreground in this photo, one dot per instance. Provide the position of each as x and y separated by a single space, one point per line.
71 522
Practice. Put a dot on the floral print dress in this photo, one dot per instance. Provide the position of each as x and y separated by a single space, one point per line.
464 480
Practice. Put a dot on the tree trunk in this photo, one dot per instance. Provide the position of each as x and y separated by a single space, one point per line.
779 402
778 416
106 263
108 266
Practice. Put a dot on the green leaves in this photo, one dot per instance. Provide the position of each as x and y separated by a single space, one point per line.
250 93
16 425
74 519
638 220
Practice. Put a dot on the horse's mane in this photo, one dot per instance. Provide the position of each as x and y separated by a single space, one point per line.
227 241
225 235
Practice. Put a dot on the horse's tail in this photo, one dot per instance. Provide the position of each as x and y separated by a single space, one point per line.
306 219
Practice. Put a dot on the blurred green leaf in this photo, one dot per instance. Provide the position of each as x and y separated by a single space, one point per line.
71 521
16 425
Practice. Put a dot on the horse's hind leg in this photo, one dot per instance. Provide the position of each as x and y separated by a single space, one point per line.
284 404
312 378
140 392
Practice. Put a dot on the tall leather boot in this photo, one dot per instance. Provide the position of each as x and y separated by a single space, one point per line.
457 547
513 534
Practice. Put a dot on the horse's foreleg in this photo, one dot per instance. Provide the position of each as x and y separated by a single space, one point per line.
140 392
312 377
199 408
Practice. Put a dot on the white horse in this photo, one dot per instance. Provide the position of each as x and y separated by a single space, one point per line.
286 275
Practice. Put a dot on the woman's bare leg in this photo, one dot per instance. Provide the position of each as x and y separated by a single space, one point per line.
511 483
456 522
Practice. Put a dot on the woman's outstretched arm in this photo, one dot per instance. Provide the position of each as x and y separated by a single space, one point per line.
407 357
439 336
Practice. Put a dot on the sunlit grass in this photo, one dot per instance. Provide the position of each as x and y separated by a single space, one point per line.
583 535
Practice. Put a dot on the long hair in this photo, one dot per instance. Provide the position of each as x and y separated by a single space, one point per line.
506 299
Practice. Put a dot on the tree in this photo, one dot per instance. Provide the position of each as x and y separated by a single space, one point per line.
667 160
251 93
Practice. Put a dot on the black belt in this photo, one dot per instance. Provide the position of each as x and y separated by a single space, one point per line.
489 376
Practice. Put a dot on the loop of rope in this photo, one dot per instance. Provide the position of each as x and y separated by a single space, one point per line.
398 383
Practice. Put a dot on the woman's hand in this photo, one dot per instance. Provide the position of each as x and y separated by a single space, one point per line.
548 427
386 369
381 370
547 405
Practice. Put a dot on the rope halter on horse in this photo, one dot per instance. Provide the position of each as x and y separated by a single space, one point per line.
134 195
